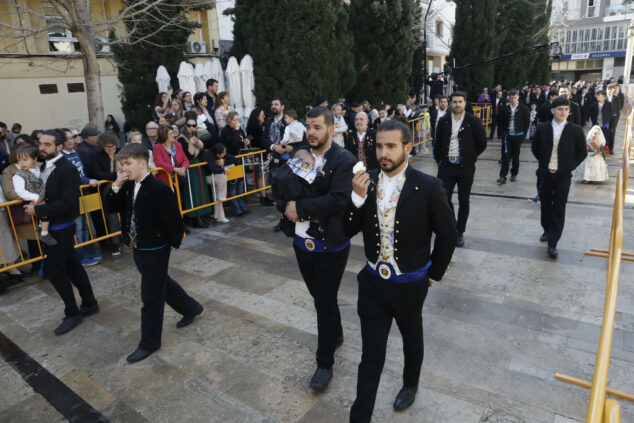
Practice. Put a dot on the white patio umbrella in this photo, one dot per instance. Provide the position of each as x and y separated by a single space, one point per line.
218 74
248 84
235 85
200 77
186 77
162 79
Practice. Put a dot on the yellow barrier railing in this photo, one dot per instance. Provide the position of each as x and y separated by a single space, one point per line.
88 203
600 408
483 111
235 172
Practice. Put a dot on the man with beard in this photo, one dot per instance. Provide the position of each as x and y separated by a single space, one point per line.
274 132
61 208
436 113
575 109
397 209
461 138
323 261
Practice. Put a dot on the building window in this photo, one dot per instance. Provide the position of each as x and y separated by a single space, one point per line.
60 39
439 29
593 8
574 8
48 89
77 87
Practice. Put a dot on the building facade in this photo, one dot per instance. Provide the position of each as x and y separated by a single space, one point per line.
593 38
439 28
42 75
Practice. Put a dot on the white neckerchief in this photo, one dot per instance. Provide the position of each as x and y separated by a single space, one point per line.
454 142
320 161
389 184
51 162
361 135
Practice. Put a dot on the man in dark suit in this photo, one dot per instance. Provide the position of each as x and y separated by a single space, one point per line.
575 110
212 92
601 114
460 139
361 142
61 207
437 112
544 113
397 232
585 102
559 148
618 100
323 261
514 119
151 224
496 105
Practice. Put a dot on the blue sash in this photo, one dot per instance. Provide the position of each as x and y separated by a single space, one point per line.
311 245
61 226
386 271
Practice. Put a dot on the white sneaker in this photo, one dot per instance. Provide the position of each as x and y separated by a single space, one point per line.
222 220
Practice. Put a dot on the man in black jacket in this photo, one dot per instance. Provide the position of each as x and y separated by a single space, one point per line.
61 208
460 139
323 261
361 142
585 102
544 113
514 120
575 109
151 224
601 114
559 148
437 112
400 262
497 104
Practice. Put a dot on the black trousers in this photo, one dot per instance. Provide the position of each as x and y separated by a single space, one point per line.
63 268
451 176
379 302
322 273
511 152
493 126
553 195
612 133
157 288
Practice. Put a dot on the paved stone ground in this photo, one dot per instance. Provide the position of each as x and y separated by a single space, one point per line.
504 319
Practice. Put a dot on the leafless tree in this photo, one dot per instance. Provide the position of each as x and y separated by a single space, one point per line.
20 22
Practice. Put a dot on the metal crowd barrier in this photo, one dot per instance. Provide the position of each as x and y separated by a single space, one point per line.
600 408
420 135
236 172
483 111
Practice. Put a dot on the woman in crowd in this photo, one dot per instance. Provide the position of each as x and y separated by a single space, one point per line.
214 134
198 192
112 125
8 245
233 138
219 159
137 138
255 132
161 105
169 155
341 127
222 109
177 113
104 167
187 101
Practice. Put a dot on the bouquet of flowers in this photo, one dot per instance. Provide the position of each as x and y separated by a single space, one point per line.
603 150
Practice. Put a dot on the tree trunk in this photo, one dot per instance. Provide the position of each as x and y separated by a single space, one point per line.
92 74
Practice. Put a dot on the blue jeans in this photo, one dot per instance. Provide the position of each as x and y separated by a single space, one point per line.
82 234
238 205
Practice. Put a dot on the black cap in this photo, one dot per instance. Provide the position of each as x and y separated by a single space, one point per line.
560 101
89 132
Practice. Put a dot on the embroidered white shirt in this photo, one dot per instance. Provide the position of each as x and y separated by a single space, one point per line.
454 144
512 121
302 227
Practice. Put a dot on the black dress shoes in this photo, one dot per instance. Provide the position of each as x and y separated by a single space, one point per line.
200 223
277 228
266 201
321 379
460 240
69 323
189 318
89 310
501 180
513 178
405 398
552 252
139 354
544 237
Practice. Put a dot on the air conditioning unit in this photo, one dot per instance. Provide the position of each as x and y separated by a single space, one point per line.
101 47
197 47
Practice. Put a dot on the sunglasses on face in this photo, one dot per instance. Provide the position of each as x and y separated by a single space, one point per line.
191 126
